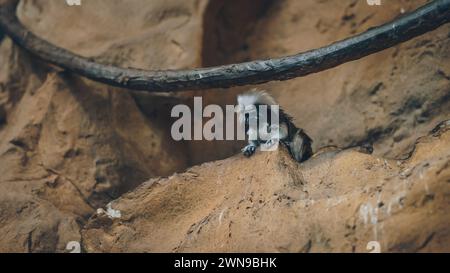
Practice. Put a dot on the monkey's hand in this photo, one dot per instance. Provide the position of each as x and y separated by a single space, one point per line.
249 150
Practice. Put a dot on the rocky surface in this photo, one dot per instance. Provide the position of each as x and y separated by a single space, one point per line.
69 146
339 201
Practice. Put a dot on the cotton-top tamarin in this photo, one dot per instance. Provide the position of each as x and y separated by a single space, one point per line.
250 113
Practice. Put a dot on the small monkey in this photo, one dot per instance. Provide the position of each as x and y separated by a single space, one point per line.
295 139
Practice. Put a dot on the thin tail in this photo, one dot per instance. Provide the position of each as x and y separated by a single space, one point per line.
300 146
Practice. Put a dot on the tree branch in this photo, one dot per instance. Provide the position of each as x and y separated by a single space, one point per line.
424 19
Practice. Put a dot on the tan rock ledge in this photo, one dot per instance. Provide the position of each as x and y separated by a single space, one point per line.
339 201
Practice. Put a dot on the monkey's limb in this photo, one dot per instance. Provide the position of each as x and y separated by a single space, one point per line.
250 149
425 19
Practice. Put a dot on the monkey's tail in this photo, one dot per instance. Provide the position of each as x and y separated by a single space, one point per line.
300 146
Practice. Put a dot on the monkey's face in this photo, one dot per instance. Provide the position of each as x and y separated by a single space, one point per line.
247 116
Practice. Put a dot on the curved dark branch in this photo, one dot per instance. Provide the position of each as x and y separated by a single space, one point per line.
424 19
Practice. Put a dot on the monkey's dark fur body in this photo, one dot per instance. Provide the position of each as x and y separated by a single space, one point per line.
295 139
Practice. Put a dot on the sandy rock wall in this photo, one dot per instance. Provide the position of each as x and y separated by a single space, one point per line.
69 146
135 33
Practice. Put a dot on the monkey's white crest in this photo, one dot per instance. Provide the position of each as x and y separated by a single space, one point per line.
247 102
256 97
